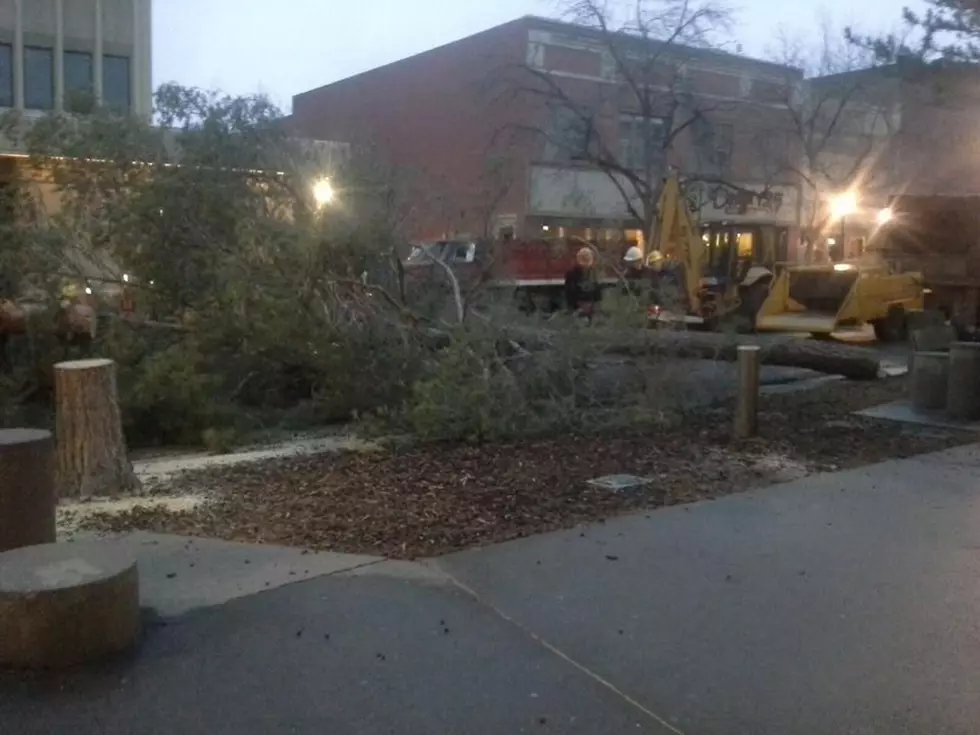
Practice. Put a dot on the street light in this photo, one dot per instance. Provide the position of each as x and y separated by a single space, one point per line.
885 216
842 205
323 192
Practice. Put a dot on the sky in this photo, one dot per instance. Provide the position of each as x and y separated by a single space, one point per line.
282 47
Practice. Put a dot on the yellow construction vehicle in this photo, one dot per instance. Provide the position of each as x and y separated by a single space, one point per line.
710 277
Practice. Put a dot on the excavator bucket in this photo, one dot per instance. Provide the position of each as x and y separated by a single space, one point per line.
823 299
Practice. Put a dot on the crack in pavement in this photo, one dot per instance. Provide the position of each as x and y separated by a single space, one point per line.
593 675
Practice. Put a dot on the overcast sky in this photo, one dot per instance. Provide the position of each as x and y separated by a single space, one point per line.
282 47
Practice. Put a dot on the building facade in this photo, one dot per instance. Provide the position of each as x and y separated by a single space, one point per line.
65 54
467 120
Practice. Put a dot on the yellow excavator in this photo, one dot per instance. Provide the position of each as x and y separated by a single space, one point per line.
707 281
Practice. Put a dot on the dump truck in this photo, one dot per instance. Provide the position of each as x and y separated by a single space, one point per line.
748 282
938 237
532 271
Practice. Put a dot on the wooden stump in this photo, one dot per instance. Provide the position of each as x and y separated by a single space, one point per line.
27 499
747 400
963 389
66 604
928 380
92 458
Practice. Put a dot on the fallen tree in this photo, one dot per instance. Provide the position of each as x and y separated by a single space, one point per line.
828 357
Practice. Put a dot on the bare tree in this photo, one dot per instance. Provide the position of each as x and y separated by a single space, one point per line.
630 126
839 122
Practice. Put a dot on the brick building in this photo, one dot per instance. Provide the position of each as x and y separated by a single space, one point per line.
487 150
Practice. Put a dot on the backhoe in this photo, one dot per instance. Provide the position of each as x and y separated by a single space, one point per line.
738 274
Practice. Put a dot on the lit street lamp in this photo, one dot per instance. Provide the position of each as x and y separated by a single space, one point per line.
323 192
885 216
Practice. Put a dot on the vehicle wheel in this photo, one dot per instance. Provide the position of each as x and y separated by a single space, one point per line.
893 327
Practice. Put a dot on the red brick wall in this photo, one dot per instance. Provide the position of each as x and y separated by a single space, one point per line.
435 115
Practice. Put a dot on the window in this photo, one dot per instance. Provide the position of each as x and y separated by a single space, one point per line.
641 139
569 135
115 82
745 244
6 75
724 140
464 253
78 80
38 78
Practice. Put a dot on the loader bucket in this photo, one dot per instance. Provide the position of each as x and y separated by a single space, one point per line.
809 299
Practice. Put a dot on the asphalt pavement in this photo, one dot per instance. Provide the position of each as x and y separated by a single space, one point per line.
844 604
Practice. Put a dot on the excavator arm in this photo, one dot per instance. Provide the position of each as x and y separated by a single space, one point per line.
676 237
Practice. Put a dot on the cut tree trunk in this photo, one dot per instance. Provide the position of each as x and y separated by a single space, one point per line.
92 459
829 357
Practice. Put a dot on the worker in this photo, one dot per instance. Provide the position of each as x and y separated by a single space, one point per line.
639 277
582 290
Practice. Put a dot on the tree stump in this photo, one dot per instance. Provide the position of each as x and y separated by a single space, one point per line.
27 499
928 380
963 389
66 604
92 458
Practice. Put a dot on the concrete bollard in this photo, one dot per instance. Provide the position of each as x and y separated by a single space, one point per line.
928 380
963 385
27 498
747 401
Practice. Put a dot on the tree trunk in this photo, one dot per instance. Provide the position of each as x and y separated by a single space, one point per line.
833 358
92 457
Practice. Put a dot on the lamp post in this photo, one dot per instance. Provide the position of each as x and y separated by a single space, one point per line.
842 205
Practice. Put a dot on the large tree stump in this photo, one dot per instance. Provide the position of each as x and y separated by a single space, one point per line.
963 389
928 380
27 499
66 604
92 456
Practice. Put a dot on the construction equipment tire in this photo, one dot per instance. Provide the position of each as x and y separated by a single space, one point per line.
893 327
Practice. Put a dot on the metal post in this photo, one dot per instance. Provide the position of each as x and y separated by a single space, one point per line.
843 238
747 400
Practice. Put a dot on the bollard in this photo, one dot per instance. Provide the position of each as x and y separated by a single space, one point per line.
928 380
963 384
747 400
27 499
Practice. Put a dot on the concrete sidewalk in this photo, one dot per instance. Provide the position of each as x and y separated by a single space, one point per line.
840 604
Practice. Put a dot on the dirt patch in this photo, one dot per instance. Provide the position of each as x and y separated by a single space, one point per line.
435 499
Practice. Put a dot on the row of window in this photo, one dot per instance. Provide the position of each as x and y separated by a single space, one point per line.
79 79
571 134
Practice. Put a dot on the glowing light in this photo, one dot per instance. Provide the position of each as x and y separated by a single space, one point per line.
843 204
843 267
323 192
125 278
88 290
545 228
885 216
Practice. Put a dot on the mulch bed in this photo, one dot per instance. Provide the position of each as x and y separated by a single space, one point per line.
436 499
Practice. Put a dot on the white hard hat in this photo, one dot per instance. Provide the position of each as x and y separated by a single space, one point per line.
633 255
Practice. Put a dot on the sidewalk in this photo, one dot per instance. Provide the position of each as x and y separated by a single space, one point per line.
843 603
